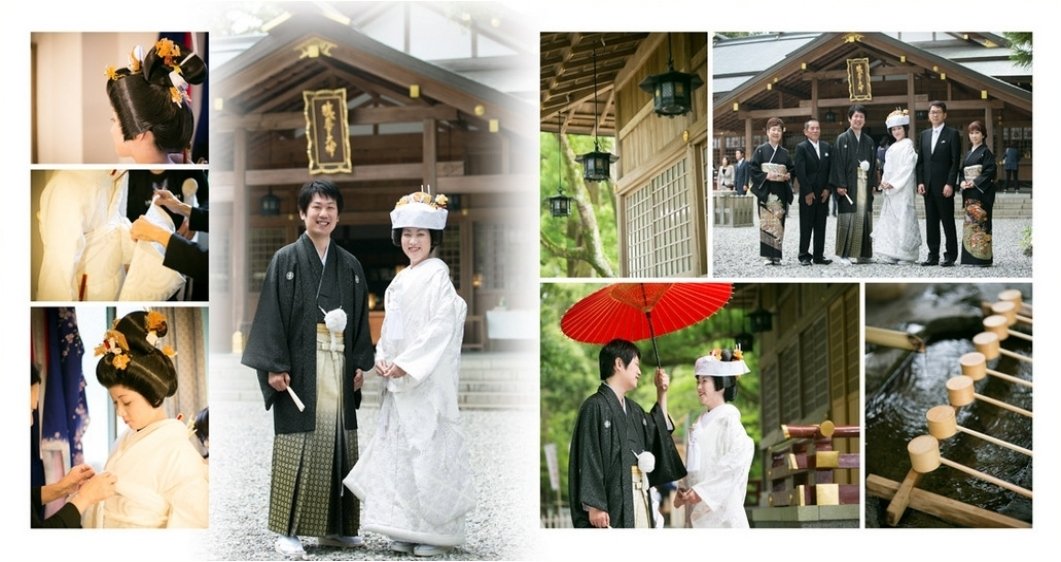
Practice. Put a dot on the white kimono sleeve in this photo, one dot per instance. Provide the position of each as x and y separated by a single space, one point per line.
730 469
434 333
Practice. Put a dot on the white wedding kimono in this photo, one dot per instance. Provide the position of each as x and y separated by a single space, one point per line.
896 235
85 236
718 460
414 477
162 481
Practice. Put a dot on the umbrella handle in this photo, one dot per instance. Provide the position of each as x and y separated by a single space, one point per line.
652 334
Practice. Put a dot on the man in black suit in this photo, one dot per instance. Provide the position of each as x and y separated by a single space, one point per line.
812 171
740 174
938 159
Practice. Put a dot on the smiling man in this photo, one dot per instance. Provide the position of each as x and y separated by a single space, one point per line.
608 462
297 353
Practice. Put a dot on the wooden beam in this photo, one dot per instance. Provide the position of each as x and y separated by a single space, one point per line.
565 56
842 74
644 52
357 116
375 172
492 183
949 510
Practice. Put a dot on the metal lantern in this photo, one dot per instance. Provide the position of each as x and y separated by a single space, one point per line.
560 204
596 165
761 321
270 204
672 91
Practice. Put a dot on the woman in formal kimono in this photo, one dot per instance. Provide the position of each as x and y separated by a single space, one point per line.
415 477
897 237
769 171
976 178
161 478
720 452
152 120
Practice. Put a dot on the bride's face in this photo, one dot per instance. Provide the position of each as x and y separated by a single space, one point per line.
898 132
132 407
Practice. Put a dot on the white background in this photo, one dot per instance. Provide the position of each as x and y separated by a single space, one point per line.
789 545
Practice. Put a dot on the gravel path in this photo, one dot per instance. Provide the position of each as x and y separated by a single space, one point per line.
736 255
503 446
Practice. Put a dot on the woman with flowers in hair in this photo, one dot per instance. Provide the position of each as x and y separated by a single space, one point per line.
153 120
720 452
415 477
162 479
897 237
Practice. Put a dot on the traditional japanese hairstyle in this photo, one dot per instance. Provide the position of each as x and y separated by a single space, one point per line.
723 366
897 118
132 356
151 94
420 210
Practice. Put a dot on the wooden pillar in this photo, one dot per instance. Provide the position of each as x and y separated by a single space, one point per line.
748 148
430 172
813 100
238 234
989 132
911 106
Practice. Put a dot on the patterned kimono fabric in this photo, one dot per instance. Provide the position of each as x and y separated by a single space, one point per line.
771 227
976 231
308 466
853 238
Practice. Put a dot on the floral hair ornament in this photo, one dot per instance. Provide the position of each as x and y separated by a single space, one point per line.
156 323
721 363
114 343
420 210
898 118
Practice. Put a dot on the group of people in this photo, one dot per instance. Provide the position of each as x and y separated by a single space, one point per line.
850 172
618 452
310 346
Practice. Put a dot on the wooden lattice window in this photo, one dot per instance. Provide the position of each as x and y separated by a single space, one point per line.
659 225
261 245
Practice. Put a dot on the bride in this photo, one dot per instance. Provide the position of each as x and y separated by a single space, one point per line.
897 237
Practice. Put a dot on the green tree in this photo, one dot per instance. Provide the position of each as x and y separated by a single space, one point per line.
586 243
1021 43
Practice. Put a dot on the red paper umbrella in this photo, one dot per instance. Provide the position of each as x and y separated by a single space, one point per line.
636 311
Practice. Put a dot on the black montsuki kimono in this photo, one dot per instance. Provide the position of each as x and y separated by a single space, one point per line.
978 202
283 335
855 221
603 448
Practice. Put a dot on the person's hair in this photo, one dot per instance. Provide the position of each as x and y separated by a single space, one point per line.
856 108
725 160
34 375
806 124
148 370
942 105
975 126
775 122
436 236
614 349
324 188
202 427
145 98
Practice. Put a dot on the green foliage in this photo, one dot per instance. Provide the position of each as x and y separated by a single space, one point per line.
569 374
566 232
1026 240
1021 42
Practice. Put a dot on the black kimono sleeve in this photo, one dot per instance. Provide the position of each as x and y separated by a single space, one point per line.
669 466
586 465
66 518
267 347
187 258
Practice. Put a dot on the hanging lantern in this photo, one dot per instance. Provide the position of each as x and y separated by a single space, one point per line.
745 341
559 204
270 204
672 91
761 321
596 165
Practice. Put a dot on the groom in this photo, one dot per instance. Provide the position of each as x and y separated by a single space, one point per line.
938 158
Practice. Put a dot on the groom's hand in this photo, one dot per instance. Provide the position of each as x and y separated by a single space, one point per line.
598 518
